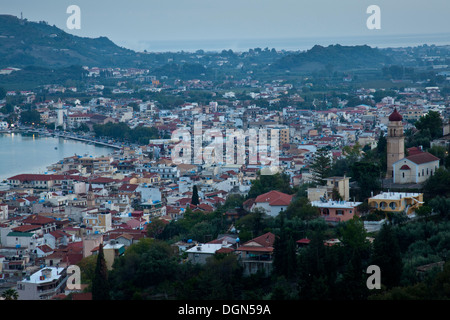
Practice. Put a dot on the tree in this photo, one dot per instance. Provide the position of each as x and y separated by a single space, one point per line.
10 294
7 109
354 235
2 93
438 184
431 121
352 152
195 199
382 151
30 117
251 225
317 275
441 153
302 208
145 266
155 228
87 267
441 205
367 175
265 183
100 284
284 263
357 251
321 166
424 211
387 256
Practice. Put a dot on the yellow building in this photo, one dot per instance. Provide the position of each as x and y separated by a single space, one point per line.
98 221
340 184
397 202
111 251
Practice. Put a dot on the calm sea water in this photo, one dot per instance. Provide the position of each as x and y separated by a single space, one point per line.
291 44
32 154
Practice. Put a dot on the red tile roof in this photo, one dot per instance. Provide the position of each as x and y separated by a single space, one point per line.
414 150
128 187
304 241
26 228
275 198
264 243
45 248
423 157
36 219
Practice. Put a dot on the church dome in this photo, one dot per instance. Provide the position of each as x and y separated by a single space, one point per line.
395 116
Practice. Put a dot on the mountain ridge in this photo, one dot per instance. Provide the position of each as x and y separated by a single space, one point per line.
24 43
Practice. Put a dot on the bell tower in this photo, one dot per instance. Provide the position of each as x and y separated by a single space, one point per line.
90 197
395 141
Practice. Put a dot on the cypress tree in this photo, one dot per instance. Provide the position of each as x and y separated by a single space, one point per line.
100 284
321 167
195 200
387 256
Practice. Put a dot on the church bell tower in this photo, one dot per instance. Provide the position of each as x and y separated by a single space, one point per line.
395 141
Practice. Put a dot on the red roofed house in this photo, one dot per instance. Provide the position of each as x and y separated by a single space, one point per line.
416 168
46 224
56 238
257 254
42 181
128 188
272 202
43 251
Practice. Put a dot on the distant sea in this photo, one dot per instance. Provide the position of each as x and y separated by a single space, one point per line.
289 44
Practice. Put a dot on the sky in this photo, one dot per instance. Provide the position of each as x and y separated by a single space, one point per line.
147 24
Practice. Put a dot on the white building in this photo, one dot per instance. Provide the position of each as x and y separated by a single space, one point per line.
3 125
200 252
272 202
416 168
43 284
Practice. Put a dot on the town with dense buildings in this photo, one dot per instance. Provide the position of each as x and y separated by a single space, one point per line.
141 191
51 221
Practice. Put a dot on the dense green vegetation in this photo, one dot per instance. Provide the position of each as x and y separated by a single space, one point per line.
333 57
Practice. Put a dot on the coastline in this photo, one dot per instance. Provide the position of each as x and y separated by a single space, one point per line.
110 149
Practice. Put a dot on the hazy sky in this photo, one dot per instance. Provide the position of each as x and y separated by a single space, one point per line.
136 23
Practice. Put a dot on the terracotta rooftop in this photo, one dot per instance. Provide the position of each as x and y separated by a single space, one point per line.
423 157
275 198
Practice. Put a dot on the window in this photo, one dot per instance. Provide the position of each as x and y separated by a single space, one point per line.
392 205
